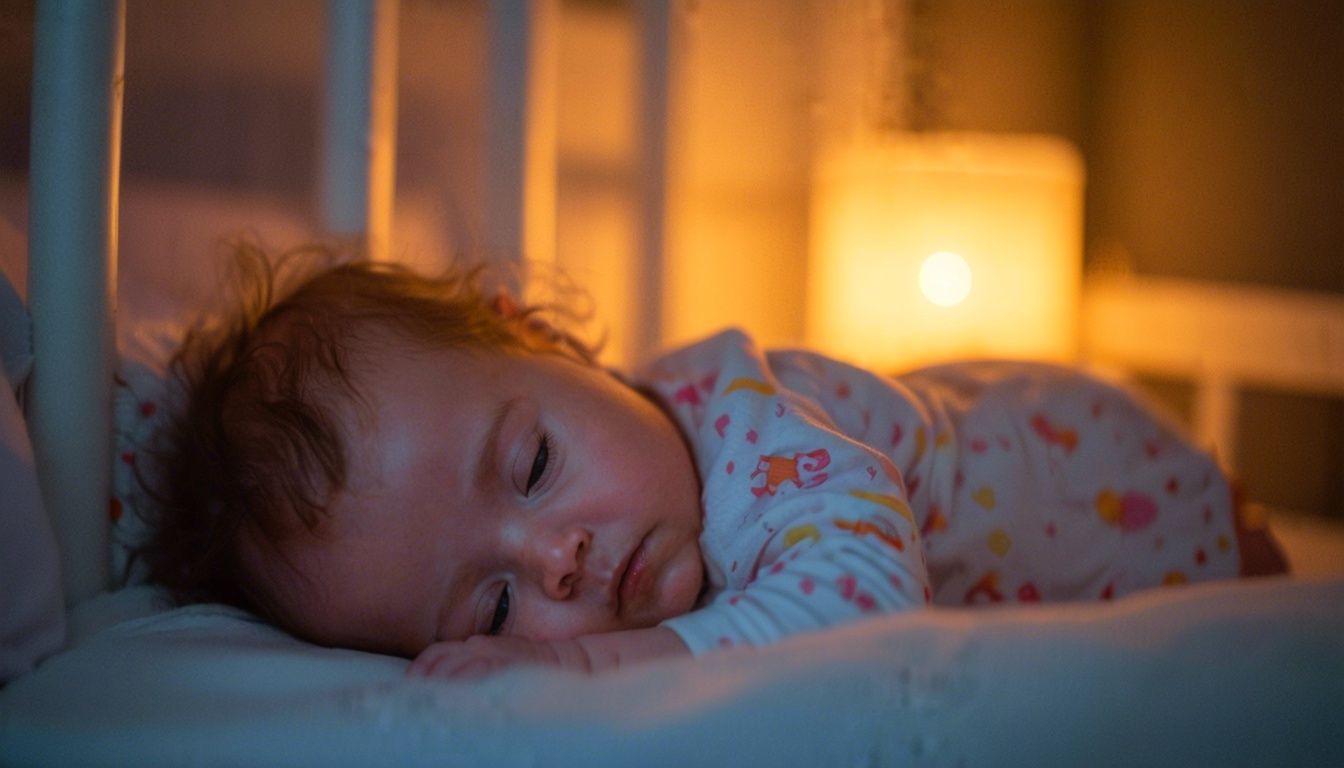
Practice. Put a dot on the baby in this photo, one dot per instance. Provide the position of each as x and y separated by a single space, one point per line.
374 459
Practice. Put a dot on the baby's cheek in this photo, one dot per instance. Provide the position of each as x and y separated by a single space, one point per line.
681 582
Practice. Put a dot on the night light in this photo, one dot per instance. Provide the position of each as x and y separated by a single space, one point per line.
929 247
945 278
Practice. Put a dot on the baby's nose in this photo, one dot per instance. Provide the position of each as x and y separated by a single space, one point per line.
561 559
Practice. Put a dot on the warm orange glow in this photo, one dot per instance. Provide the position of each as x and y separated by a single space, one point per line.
932 247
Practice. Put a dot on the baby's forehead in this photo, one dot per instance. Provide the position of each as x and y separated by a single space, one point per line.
416 413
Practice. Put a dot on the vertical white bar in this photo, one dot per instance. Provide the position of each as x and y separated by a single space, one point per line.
654 17
1217 407
520 171
359 125
72 271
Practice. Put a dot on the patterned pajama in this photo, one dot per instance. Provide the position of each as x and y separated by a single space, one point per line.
831 493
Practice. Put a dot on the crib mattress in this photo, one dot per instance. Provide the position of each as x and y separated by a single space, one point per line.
1245 673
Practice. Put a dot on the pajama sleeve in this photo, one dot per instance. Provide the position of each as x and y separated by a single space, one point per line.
804 528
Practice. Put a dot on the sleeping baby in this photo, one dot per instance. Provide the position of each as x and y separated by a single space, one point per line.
375 459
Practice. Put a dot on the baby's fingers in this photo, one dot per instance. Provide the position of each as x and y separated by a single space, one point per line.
475 657
436 661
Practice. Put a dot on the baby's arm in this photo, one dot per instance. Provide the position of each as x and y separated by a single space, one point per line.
805 528
482 654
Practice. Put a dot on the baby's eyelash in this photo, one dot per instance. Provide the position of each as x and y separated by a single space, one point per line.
501 613
539 462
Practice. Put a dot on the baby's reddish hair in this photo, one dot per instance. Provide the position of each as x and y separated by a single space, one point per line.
257 448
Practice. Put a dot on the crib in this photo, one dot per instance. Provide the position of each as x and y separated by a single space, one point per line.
1248 672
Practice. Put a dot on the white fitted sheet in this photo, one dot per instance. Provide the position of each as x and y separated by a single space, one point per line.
1237 673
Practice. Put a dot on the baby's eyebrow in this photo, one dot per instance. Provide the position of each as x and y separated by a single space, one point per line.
490 446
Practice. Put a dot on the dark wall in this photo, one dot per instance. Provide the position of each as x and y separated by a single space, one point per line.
1215 138
16 74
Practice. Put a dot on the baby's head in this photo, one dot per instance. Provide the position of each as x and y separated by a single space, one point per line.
374 459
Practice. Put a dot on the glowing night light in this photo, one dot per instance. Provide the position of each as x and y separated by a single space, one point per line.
900 220
945 279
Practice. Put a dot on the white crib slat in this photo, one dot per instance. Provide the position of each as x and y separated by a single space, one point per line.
520 162
655 19
1217 406
72 236
359 126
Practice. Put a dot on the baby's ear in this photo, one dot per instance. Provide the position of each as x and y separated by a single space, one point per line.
504 305
535 328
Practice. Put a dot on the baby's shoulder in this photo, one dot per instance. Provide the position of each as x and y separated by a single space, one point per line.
1005 375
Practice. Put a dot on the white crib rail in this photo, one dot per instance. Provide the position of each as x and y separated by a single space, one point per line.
72 236
520 157
1220 336
360 121
656 45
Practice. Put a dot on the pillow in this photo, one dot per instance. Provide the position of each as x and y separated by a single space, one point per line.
32 616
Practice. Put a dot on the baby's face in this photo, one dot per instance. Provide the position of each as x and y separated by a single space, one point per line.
500 493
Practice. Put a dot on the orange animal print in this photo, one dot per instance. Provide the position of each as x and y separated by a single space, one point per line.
1054 434
801 469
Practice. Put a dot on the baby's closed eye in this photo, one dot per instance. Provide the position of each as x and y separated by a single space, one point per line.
540 461
501 612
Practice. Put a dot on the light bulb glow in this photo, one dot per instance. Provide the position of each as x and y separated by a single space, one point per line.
945 279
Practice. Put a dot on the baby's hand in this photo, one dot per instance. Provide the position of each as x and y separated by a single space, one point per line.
483 655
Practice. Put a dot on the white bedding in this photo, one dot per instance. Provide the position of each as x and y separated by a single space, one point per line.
1244 673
